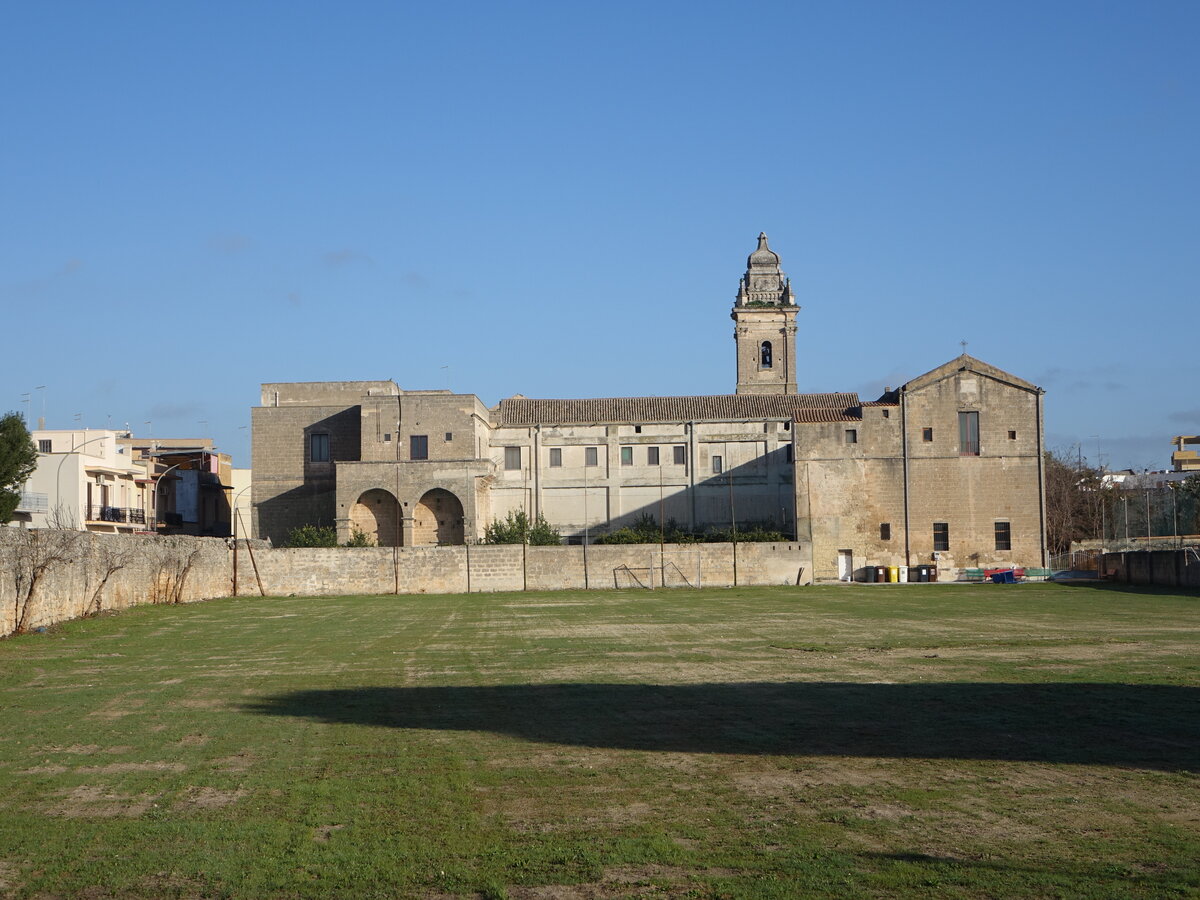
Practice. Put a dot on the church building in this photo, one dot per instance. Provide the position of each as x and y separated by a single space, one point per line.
943 470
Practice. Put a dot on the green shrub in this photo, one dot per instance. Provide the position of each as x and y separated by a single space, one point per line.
312 536
359 538
516 529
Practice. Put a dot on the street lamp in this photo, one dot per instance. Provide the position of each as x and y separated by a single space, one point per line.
157 482
58 476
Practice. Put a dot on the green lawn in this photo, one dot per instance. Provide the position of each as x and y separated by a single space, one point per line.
856 741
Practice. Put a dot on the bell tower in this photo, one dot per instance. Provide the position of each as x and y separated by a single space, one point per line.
764 316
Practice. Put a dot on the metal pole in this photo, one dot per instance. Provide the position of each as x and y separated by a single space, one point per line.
585 521
733 522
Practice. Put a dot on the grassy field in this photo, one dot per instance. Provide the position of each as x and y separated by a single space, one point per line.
856 741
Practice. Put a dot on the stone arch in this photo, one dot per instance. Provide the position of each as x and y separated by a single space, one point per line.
438 519
377 513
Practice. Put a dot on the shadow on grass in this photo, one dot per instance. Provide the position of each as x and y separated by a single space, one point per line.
1147 726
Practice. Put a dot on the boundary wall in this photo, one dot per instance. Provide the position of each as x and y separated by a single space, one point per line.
1162 568
52 576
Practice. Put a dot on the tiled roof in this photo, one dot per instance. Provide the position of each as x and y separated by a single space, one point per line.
829 414
719 408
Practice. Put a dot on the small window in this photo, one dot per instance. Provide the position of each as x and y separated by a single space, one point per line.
652 456
387 438
418 446
627 456
887 413
555 457
591 456
941 535
318 448
927 434
851 435
718 465
637 429
44 446
764 355
1003 536
449 436
968 434
885 531
1012 435
680 456
512 458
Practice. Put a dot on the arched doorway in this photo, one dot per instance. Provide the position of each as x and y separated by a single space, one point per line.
438 519
377 514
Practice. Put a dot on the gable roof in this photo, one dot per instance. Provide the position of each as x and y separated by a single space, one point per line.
519 411
970 363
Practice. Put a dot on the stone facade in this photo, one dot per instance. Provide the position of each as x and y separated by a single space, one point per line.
856 481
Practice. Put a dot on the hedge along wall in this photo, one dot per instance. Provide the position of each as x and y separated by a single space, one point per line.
52 576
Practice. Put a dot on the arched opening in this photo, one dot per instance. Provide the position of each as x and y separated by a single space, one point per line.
438 519
764 355
377 514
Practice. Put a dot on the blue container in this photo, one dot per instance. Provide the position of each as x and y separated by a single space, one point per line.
1007 577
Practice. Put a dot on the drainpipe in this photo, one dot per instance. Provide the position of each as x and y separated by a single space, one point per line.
904 454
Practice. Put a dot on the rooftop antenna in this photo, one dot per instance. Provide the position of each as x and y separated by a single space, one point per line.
42 420
964 346
25 400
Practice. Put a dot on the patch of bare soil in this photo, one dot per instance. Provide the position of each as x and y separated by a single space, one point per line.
210 798
90 801
118 768
201 703
115 709
624 881
239 762
819 773
8 876
322 834
194 740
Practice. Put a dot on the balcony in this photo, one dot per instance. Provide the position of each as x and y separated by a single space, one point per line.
116 514
32 502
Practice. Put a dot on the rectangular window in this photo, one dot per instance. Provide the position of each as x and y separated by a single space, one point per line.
681 456
512 458
555 457
1012 435
387 438
718 465
591 456
318 448
885 531
637 429
449 436
44 446
941 535
418 446
968 434
1003 536
851 435
652 456
927 434
627 456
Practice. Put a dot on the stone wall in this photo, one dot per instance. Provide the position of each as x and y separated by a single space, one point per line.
75 573
84 573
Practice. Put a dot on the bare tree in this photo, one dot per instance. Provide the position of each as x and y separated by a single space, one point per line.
111 556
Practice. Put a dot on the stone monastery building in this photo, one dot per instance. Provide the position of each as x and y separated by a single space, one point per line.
946 468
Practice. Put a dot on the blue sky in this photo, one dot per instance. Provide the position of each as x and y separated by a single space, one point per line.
557 199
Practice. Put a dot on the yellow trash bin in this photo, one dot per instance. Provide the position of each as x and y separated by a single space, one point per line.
893 574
